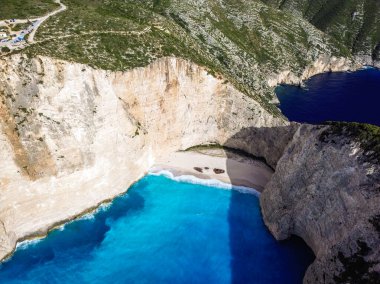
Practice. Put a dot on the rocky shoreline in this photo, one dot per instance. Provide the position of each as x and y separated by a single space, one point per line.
326 191
323 64
73 136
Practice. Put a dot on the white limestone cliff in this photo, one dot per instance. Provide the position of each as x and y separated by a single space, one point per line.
72 137
323 64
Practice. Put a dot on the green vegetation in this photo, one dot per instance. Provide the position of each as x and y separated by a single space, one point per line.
243 41
20 27
5 49
230 152
23 9
204 147
354 23
366 134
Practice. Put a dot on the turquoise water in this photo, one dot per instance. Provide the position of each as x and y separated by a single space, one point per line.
164 231
342 96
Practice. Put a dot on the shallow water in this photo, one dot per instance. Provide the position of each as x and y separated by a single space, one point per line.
164 231
343 96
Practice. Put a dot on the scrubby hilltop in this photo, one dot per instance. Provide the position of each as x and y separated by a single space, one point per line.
244 41
355 23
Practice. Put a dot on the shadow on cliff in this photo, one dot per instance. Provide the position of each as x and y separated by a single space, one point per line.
256 257
84 235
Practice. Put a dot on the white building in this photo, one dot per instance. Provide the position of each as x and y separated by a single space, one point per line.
3 35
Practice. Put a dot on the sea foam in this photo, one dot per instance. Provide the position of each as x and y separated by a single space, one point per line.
206 182
182 178
25 244
88 216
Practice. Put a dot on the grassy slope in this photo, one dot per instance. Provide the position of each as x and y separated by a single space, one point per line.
356 23
242 40
22 9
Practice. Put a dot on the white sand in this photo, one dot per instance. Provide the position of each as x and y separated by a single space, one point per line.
238 170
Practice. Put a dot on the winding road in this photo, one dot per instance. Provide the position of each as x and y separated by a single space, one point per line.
43 19
14 43
31 30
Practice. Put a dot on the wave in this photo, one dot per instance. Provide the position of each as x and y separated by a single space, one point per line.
182 178
25 244
91 215
206 182
88 216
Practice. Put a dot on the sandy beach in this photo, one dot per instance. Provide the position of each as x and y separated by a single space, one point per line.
219 164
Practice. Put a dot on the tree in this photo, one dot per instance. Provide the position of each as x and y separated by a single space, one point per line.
5 49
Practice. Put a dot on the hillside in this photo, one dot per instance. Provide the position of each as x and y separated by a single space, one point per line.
245 41
107 88
25 8
355 23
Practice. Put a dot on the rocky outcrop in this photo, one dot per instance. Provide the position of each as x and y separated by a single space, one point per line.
323 64
326 190
264 142
72 137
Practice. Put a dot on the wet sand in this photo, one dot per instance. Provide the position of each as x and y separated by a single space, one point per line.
218 164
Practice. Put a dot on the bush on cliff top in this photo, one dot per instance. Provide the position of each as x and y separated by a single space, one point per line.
366 134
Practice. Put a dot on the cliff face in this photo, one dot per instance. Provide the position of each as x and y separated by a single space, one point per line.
326 190
72 137
323 64
245 41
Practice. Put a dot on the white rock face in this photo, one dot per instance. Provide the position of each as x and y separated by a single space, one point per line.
72 137
324 64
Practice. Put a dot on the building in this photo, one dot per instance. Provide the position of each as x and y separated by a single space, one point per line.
3 35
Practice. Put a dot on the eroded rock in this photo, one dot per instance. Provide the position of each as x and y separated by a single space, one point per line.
72 137
328 193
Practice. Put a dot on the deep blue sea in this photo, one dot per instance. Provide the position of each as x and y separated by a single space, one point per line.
344 96
164 231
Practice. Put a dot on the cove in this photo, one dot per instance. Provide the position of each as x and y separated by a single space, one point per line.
164 231
342 96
